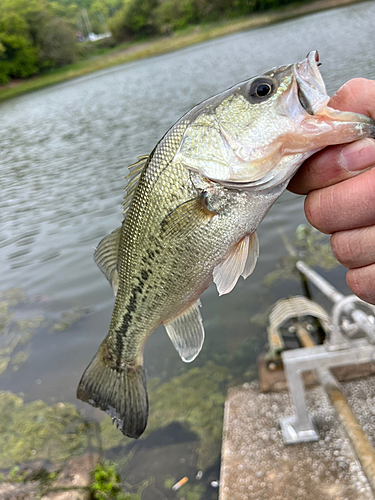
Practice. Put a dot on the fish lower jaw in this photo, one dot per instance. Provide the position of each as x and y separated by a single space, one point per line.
280 175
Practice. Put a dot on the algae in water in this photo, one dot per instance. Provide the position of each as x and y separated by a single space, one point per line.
309 245
195 399
36 431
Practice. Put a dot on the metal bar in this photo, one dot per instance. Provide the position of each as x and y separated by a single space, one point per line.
335 296
342 303
324 286
296 387
299 427
311 358
360 443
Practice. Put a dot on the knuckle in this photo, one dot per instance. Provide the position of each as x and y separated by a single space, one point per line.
362 282
315 212
344 248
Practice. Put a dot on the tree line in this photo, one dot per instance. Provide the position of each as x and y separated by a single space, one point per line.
39 35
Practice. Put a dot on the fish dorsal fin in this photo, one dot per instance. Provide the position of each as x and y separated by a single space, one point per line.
240 261
106 256
184 219
133 177
187 333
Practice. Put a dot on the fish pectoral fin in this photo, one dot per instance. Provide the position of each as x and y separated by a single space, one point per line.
240 261
186 332
252 255
106 256
184 219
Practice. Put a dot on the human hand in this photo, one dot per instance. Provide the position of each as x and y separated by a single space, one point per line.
340 185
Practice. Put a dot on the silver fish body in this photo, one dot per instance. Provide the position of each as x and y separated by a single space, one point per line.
190 217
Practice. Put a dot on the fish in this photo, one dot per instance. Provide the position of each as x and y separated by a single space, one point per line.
191 211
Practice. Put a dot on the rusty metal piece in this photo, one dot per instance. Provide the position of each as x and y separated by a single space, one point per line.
303 336
274 381
297 308
359 441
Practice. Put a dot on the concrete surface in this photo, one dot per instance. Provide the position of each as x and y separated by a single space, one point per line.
257 465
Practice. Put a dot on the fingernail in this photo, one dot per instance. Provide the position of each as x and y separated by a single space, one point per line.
358 155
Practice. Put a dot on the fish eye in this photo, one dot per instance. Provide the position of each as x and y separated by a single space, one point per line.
261 88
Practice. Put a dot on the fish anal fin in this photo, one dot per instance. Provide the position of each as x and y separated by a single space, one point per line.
106 256
186 332
187 217
241 260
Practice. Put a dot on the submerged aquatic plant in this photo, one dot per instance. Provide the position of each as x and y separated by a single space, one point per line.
309 245
106 484
16 332
195 399
36 431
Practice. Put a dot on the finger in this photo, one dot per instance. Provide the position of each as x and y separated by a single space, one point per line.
354 248
346 205
325 168
357 95
362 282
333 165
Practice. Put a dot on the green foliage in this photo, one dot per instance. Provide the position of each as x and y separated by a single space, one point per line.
172 15
33 38
18 57
133 20
145 17
37 35
106 484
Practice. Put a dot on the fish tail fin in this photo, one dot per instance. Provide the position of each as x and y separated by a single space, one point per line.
121 392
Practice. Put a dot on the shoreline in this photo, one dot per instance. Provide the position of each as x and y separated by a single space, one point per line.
157 46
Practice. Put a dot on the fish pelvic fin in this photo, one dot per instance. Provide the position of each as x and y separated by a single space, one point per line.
120 391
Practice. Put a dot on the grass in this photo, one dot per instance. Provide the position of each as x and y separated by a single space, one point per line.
128 52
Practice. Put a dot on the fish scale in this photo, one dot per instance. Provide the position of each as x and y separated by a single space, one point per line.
190 217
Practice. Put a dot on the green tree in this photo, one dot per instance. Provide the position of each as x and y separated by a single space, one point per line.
170 15
18 58
134 19
33 38
57 43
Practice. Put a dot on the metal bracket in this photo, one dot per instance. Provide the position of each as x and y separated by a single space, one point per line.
339 350
293 435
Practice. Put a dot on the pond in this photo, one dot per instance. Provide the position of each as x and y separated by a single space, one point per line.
64 153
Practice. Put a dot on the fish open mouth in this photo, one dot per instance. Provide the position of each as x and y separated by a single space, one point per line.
313 97
312 92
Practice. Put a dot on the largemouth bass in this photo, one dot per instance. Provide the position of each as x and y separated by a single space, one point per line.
190 217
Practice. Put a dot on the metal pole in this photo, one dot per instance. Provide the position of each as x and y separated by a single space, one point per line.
342 302
323 285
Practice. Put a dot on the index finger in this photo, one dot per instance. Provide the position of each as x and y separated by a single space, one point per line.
337 163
